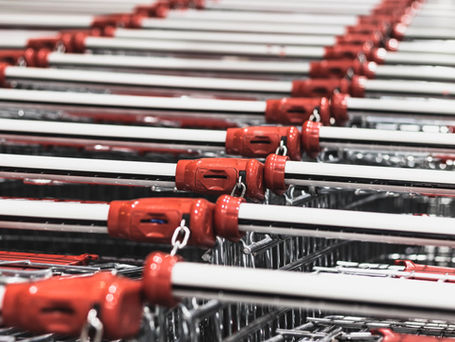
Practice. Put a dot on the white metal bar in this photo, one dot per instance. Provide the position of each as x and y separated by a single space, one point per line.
376 138
430 47
190 25
148 80
429 33
428 73
385 105
419 58
61 21
226 37
85 130
88 165
347 224
161 46
68 98
181 64
370 177
235 16
290 7
54 209
409 87
360 295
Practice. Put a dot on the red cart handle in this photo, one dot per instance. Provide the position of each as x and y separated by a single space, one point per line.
260 141
155 220
295 111
61 304
217 176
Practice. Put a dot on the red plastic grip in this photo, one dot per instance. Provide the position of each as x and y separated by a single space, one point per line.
226 217
218 176
260 141
413 267
347 51
274 173
339 108
43 43
391 336
399 31
157 279
319 87
357 88
310 138
341 68
157 10
295 111
60 305
374 38
155 219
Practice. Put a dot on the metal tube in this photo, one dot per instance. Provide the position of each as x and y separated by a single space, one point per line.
231 37
111 136
427 73
375 139
429 33
92 171
419 58
235 16
178 64
76 78
54 216
191 25
61 21
370 178
189 47
427 47
329 292
290 7
425 107
124 101
347 224
399 87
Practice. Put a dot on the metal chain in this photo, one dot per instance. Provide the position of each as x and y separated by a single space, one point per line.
282 149
93 322
176 244
239 186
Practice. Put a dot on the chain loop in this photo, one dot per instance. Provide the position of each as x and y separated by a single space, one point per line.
315 116
176 244
239 186
282 149
93 322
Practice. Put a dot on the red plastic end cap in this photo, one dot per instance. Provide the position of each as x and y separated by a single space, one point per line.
310 138
390 336
260 141
226 217
295 111
392 44
218 176
157 10
399 31
357 88
60 305
158 279
274 173
347 51
339 108
3 82
374 38
367 69
41 58
155 220
78 42
377 55
319 87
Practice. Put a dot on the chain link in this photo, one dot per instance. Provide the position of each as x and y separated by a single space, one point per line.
93 322
282 149
176 244
239 186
